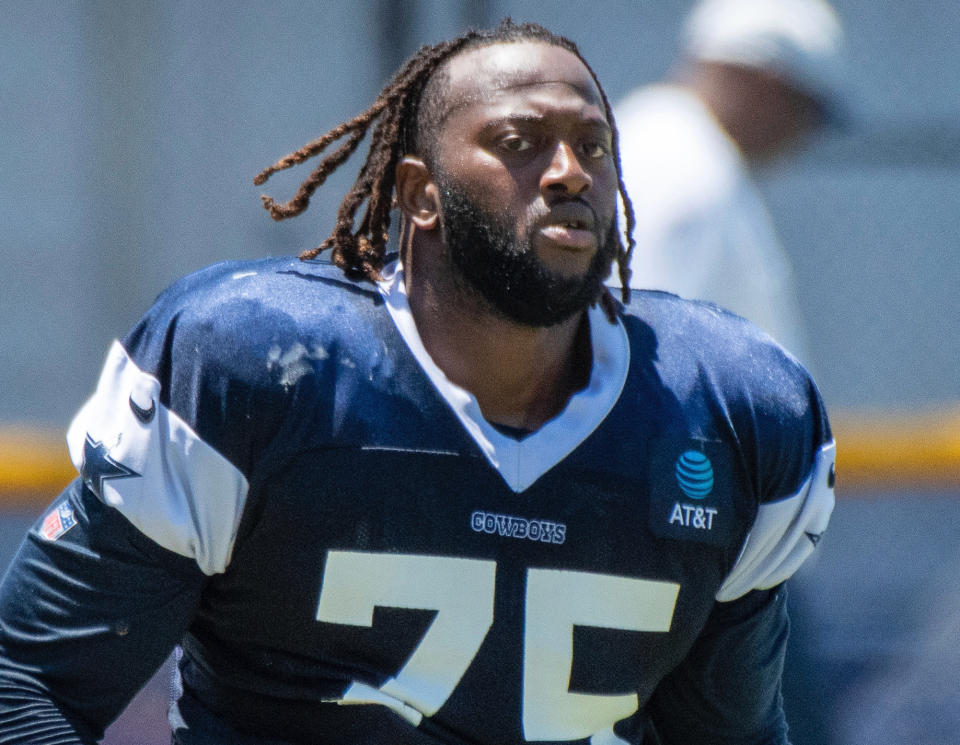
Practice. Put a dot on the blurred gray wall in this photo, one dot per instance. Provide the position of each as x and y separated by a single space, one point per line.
130 132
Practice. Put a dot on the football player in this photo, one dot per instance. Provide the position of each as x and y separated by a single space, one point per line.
456 495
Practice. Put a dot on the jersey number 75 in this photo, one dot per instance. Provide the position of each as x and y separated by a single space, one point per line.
461 591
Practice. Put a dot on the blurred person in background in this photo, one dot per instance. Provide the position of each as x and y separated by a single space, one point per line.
753 81
754 78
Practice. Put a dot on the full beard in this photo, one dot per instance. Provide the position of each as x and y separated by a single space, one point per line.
503 269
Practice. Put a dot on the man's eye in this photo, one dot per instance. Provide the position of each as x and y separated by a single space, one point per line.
595 150
515 144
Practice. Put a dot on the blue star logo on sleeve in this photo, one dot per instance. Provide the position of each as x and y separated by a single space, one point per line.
98 466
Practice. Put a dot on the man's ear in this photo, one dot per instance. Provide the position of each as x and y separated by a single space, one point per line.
417 194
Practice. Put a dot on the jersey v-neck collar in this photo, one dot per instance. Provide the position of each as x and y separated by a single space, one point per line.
521 462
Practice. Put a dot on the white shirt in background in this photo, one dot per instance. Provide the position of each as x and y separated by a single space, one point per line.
702 230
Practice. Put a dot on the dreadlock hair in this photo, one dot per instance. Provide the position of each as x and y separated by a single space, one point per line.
402 123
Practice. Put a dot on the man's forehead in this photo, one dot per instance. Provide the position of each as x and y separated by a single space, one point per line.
479 74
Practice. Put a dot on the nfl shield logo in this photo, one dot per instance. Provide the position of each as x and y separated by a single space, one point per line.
58 521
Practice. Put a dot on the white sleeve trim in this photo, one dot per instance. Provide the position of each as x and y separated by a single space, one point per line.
784 533
183 494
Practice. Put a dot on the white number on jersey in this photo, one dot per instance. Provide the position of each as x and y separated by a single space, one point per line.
462 593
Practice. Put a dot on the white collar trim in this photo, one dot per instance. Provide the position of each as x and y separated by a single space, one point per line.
522 462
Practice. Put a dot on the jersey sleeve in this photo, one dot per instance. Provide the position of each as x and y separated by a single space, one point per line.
105 584
786 438
184 413
727 689
89 609
785 532
144 458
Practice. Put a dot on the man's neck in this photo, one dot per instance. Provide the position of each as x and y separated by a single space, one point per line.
521 376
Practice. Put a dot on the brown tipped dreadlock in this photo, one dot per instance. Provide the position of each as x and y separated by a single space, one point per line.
360 251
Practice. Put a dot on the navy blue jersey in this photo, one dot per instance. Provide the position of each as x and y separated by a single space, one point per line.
274 475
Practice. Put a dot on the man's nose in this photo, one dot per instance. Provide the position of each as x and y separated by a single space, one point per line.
565 173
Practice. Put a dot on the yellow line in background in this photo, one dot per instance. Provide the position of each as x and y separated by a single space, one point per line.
876 451
883 449
34 466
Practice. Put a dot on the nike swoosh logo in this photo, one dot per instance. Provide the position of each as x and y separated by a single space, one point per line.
145 416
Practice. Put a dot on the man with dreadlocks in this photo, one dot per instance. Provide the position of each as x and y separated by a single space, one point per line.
458 496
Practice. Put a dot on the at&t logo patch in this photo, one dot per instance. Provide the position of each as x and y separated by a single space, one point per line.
694 474
692 488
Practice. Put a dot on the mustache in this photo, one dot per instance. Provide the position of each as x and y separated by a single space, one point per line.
538 214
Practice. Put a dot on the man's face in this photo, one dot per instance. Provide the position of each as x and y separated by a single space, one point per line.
524 165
